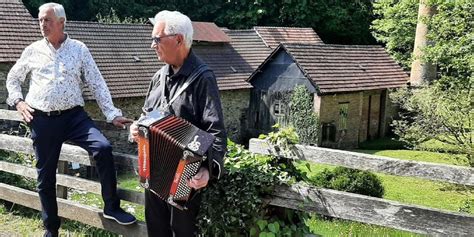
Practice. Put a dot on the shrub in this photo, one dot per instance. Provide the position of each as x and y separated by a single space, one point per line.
350 180
302 117
232 206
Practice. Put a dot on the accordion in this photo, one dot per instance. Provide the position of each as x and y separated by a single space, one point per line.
170 151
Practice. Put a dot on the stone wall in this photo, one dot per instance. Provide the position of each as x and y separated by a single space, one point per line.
131 108
4 69
329 113
234 104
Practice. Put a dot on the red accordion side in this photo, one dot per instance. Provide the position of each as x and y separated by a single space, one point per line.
170 151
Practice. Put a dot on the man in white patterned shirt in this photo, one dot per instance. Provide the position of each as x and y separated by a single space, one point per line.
53 108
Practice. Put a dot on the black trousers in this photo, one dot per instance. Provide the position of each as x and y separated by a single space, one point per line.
163 220
48 134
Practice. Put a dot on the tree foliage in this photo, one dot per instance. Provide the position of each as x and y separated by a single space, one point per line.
395 26
336 21
442 111
302 116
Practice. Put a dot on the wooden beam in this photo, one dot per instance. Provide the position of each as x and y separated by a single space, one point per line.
69 152
372 210
24 145
431 171
61 191
10 115
73 182
71 210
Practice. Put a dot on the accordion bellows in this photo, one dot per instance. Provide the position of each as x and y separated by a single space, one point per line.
170 151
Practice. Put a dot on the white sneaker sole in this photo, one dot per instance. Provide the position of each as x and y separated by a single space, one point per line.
122 223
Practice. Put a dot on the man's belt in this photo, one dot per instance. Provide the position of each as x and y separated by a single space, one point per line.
55 112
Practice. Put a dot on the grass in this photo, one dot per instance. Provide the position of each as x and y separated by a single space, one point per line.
22 221
327 227
407 190
425 156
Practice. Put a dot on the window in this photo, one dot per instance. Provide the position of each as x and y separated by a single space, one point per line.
329 132
343 114
278 108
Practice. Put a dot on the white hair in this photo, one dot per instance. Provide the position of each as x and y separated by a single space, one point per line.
57 8
176 23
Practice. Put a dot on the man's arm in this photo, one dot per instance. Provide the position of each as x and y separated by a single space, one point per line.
99 89
15 78
213 122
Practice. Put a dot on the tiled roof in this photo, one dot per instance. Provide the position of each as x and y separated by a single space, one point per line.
233 63
209 32
345 68
205 31
273 36
122 53
249 46
17 30
230 68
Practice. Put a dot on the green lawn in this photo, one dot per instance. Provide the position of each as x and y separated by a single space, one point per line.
408 190
425 156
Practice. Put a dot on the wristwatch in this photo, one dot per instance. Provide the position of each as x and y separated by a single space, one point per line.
15 102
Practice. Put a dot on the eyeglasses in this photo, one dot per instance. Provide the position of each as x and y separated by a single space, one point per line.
158 39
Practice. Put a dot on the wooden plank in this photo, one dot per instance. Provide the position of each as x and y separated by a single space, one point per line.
61 191
71 210
373 210
10 115
69 152
126 160
24 145
431 171
73 182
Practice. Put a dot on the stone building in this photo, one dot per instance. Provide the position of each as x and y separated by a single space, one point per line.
349 83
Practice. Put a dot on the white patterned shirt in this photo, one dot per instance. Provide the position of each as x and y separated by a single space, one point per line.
57 78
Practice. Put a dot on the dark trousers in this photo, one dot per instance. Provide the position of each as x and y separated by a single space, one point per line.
163 220
48 134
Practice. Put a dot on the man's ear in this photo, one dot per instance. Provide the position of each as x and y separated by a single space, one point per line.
179 39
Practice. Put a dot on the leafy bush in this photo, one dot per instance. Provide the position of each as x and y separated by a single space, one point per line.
291 225
232 205
302 117
350 180
17 180
385 143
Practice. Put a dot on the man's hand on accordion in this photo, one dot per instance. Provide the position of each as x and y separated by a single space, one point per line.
133 132
199 180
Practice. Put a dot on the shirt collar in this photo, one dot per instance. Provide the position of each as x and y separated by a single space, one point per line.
188 67
62 44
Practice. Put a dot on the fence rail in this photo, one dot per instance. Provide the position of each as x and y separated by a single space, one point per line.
425 170
372 210
298 196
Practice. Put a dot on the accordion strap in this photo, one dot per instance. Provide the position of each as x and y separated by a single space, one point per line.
194 75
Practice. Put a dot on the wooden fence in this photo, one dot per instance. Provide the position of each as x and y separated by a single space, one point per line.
303 197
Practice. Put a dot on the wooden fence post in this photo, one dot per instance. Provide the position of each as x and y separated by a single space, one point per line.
61 191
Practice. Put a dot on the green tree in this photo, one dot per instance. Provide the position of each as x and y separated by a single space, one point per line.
302 116
336 21
442 111
394 26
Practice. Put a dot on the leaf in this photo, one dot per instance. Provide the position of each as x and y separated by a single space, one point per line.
262 224
274 227
253 231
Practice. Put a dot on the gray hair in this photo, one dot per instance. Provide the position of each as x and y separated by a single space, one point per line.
176 23
57 8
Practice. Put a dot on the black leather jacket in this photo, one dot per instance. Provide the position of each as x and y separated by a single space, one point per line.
199 104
